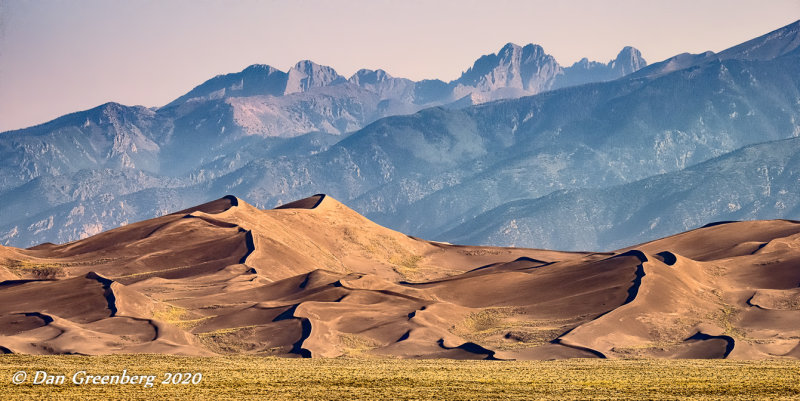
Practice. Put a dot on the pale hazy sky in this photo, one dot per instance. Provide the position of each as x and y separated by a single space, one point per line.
62 56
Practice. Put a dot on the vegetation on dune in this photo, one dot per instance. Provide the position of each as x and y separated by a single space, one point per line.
38 269
178 316
234 340
239 377
506 328
354 345
406 265
28 269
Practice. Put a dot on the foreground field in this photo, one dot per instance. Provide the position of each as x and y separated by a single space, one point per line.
276 378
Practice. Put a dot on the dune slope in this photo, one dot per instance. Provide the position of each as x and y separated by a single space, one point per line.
315 279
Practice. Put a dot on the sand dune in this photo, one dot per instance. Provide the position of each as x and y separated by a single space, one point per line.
313 278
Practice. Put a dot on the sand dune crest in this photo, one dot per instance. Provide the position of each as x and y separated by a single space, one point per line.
313 278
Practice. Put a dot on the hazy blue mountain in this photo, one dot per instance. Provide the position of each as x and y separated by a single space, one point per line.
429 172
257 79
517 71
524 69
259 115
589 136
108 136
386 86
755 182
628 61
780 42
306 75
82 218
265 101
777 43
425 173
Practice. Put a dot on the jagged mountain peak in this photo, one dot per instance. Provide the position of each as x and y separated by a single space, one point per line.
510 46
628 61
629 51
518 70
511 72
307 74
526 68
313 69
367 76
514 53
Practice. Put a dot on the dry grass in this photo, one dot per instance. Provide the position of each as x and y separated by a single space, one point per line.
178 316
504 328
233 340
406 265
241 377
354 345
27 269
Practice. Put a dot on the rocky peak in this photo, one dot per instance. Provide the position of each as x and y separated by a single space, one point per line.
307 74
369 77
260 69
628 60
528 68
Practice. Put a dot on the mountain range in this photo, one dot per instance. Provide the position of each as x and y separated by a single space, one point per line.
758 180
85 170
487 158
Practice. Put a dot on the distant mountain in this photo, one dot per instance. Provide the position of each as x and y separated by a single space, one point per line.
217 127
517 71
759 180
437 169
777 43
389 87
108 136
261 96
427 172
628 61
780 42
527 69
470 161
257 79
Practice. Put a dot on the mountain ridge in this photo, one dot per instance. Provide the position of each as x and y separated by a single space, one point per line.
515 65
656 206
779 42
402 171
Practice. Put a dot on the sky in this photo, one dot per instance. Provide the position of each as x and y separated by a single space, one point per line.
60 56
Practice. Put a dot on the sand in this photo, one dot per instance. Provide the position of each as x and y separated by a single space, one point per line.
316 279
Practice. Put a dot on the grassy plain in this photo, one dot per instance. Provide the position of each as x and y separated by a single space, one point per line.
241 377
